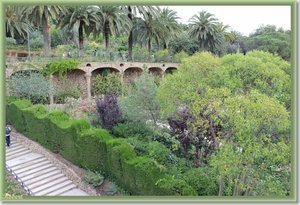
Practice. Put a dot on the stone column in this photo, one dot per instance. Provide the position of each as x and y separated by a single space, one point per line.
88 84
51 93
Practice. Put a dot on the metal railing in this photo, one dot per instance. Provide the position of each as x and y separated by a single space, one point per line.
25 187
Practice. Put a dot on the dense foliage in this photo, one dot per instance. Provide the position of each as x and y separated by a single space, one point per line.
61 67
31 85
107 82
108 111
237 109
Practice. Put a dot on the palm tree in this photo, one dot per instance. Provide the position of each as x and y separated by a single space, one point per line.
13 23
221 38
202 26
147 30
80 17
168 19
236 43
132 12
41 15
113 21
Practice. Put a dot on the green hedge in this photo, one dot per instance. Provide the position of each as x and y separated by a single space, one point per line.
93 149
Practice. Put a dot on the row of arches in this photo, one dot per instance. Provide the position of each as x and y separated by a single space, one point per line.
84 78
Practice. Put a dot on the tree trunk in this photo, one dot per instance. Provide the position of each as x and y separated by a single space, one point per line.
106 36
130 38
80 32
165 46
202 46
46 36
149 48
221 186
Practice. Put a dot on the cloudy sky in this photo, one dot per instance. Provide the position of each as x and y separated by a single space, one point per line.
244 19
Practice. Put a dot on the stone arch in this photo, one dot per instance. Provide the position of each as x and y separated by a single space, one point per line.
170 70
156 71
75 79
100 71
131 74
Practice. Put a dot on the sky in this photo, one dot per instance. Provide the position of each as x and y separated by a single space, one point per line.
244 19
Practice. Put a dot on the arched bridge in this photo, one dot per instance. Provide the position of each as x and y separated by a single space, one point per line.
84 74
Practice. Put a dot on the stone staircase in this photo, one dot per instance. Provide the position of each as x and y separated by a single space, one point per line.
38 174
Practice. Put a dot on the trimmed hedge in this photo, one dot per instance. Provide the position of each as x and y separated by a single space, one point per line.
93 149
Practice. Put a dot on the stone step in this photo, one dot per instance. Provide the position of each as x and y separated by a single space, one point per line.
19 154
14 147
71 189
23 159
51 174
45 180
39 174
38 160
10 152
72 192
51 187
30 166
43 168
44 172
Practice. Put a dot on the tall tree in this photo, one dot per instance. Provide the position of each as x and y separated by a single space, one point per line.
202 26
80 17
41 15
147 30
221 39
113 21
13 22
271 39
132 12
168 19
140 104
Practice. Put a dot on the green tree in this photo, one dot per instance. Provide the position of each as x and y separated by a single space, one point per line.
272 40
147 30
170 27
256 147
183 43
237 110
140 104
202 27
81 17
13 23
40 15
132 12
113 21
223 38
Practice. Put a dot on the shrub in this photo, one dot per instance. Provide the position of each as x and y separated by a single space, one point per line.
131 129
108 111
61 67
162 56
158 152
179 56
175 187
140 147
30 85
37 43
204 180
140 54
107 82
10 41
94 178
67 91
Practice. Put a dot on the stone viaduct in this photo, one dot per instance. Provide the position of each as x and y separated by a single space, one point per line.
85 73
